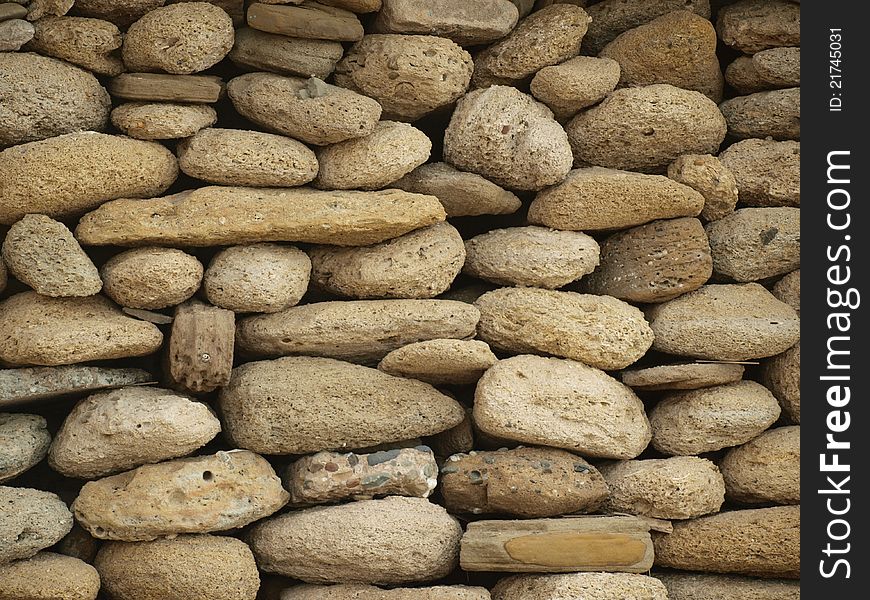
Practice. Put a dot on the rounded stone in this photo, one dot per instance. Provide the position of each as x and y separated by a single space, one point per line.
354 591
754 25
89 43
742 74
119 12
162 121
31 520
599 331
15 33
782 375
48 575
779 66
438 362
180 38
151 277
612 17
246 158
4 274
575 84
409 75
24 440
562 404
766 469
256 50
37 9
788 290
466 23
688 376
774 114
767 171
692 586
600 586
707 175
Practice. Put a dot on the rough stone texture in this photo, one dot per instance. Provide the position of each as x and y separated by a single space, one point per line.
409 75
31 385
201 494
547 37
724 322
66 175
14 33
462 194
330 476
310 20
709 419
646 128
24 441
775 114
655 262
454 440
88 43
162 121
31 520
151 278
391 541
742 74
612 17
439 362
119 12
420 264
261 51
678 48
373 161
766 469
79 544
189 567
306 109
357 6
42 253
600 331
200 354
123 429
466 23
296 405
600 586
353 591
691 586
45 97
756 243
524 482
161 87
507 137
48 575
781 67
575 84
707 175
767 171
683 487
754 25
180 38
59 331
257 278
563 404
689 376
36 9
782 375
531 256
788 290
596 199
359 331
250 158
762 542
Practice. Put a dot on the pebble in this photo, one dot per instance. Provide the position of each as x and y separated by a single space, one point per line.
446 361
122 429
201 494
767 171
49 575
782 375
31 520
766 469
562 404
256 50
410 76
353 591
162 120
600 586
781 67
466 23
709 419
151 278
788 290
327 404
119 12
704 586
612 17
599 331
707 175
687 376
15 33
24 441
755 25
42 253
773 114
390 541
79 544
92 44
34 384
575 84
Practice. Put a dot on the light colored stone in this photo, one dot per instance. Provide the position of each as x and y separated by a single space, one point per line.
257 50
310 19
767 171
755 25
766 469
575 84
36 9
31 520
151 278
92 44
439 362
119 12
702 586
354 591
788 290
600 586
773 114
49 575
32 385
162 121
782 376
688 376
612 17
24 441
706 174
466 23
781 67
15 33
357 6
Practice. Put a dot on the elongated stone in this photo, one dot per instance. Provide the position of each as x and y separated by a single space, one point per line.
440 361
261 51
49 575
466 23
36 384
600 586
31 520
704 586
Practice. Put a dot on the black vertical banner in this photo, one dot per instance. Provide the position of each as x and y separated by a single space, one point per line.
835 365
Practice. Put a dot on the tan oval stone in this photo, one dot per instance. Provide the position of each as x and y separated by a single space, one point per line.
689 376
353 591
575 84
455 362
257 50
49 575
755 25
779 66
24 440
15 33
601 586
767 171
89 43
766 469
466 23
151 278
788 290
774 114
706 174
31 520
703 586
162 121
781 374
119 12
32 385
612 17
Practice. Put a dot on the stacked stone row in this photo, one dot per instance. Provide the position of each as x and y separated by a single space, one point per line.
298 289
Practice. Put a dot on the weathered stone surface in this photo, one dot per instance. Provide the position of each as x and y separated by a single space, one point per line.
454 440
13 10
49 575
200 354
42 253
310 20
260 51
706 174
646 128
781 67
161 87
782 375
691 586
766 469
689 376
119 12
601 586
357 6
15 33
390 541
189 567
767 171
788 290
31 385
612 17
507 137
724 322
359 331
24 440
755 25
354 591
88 43
57 331
455 362
466 23
762 542
31 520
36 9
775 114
596 199
600 331
561 403
201 494
326 404
152 277
162 121
575 84
742 74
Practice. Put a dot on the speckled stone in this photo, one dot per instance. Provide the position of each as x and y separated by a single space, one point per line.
256 50
766 469
703 586
439 362
755 25
354 591
49 575
788 289
119 12
575 84
687 376
600 586
36 9
31 520
782 375
612 17
706 174
767 171
15 33
151 277
774 114
92 44
162 121
24 441
35 384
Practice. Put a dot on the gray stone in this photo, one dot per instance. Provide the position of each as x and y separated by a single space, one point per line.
24 441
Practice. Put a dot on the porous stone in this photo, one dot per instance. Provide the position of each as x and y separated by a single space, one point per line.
261 51
454 362
390 541
781 67
188 567
595 199
561 403
767 171
531 256
119 12
42 253
357 6
706 174
612 17
161 87
782 375
788 290
200 354
726 322
327 404
36 9
601 586
774 114
313 20
123 429
575 84
306 109
420 264
46 331
743 76
709 419
766 469
162 120
655 262
15 33
151 277
703 586
600 331
49 575
179 38
466 23
409 75
24 441
201 494
754 25
13 10
354 591
687 376
31 520
249 158
66 175
34 384
88 43
646 128
763 542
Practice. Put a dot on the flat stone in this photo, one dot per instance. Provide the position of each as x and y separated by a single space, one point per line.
357 6
755 25
31 520
612 17
257 50
601 586
704 586
162 121
200 353
767 171
158 87
119 12
688 376
781 67
92 44
766 469
35 384
466 23
706 174
439 362
49 575
774 114
788 290
575 84
12 10
24 440
151 278
308 20
36 9
782 375
354 591
742 74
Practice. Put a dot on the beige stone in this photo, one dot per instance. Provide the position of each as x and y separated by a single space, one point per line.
313 20
162 120
575 84
49 575
353 591
13 10
34 384
612 17
755 25
151 277
782 375
326 404
767 171
692 586
36 9
24 440
773 114
89 43
31 520
357 6
256 50
563 404
119 12
439 362
788 290
687 376
707 175
162 87
779 66
766 469
600 586
15 33
742 74
466 23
